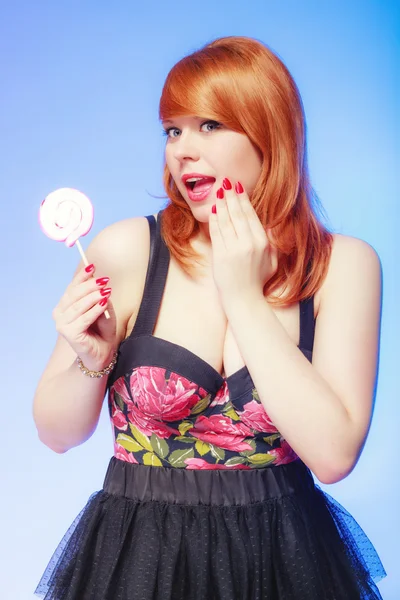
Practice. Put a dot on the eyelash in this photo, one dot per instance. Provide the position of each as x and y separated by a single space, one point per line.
217 125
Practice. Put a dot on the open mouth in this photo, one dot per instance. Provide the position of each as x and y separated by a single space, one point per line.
197 184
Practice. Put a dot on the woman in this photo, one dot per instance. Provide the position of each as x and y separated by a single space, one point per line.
247 339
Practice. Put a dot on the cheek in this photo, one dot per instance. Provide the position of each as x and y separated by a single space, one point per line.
173 167
168 159
180 186
247 165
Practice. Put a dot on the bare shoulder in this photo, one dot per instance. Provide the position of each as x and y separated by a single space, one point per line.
347 246
121 245
354 265
122 241
120 251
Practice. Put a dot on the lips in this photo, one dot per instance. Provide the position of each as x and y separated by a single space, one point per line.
201 179
198 186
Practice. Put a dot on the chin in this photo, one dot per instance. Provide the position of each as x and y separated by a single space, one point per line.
201 212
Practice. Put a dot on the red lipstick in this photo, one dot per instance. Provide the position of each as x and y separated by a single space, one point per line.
198 185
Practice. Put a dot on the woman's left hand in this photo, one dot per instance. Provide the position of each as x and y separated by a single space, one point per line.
243 257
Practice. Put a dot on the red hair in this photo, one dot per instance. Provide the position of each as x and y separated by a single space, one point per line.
241 83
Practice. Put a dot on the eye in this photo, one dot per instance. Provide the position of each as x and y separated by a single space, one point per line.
209 126
171 132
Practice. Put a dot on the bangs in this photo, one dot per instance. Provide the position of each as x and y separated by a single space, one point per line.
198 85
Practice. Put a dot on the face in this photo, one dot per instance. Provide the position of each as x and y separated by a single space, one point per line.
207 151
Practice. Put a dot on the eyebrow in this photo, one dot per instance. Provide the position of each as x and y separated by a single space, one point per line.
171 121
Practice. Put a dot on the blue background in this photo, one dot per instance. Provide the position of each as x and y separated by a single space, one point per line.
79 90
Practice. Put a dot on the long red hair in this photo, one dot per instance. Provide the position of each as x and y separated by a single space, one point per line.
241 83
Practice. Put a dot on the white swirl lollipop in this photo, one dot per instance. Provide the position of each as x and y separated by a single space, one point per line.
65 215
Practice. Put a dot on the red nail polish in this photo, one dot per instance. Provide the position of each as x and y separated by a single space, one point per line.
227 184
105 291
220 193
103 302
102 280
89 268
239 188
214 209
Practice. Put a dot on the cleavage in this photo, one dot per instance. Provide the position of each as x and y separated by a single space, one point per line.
192 316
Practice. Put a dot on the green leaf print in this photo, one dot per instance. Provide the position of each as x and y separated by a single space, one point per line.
141 437
202 447
128 443
255 395
217 453
159 445
201 405
232 414
235 460
227 406
249 452
177 457
271 438
261 460
184 427
119 400
183 438
151 460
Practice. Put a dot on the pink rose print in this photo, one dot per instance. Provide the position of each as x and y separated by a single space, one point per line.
148 425
119 386
255 417
203 465
118 418
122 454
222 396
158 398
221 432
284 455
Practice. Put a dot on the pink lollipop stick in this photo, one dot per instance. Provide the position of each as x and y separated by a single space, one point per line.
65 215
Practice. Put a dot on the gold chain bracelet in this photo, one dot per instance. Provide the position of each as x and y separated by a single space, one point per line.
104 371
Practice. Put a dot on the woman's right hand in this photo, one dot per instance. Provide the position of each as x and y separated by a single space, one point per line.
79 318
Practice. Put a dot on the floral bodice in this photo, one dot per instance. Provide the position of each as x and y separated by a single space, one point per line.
161 418
170 408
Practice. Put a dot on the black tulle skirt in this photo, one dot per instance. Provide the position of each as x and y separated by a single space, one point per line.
156 533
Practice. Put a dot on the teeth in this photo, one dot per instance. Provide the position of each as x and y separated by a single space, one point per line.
193 179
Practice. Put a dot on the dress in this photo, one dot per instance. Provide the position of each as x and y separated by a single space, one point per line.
203 498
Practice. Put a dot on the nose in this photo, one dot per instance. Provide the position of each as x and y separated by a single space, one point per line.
185 147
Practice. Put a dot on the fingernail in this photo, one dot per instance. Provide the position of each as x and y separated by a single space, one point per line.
227 184
103 301
220 193
105 291
214 209
239 188
102 280
89 268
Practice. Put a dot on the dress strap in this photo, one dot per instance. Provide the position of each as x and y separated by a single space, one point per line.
307 321
307 324
157 270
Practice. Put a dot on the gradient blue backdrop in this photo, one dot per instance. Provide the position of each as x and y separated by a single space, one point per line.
79 89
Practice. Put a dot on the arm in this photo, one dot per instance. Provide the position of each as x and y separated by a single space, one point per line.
67 404
323 409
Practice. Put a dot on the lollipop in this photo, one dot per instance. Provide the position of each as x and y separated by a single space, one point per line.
64 216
